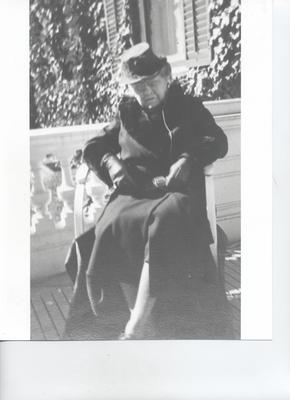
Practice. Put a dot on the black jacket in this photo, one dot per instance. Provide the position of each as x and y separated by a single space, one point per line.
150 143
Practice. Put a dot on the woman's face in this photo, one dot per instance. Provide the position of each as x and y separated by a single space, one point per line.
151 92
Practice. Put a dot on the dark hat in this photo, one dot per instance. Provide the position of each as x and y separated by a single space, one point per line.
139 63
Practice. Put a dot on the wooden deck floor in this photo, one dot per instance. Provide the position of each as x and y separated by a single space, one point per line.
49 310
50 301
233 286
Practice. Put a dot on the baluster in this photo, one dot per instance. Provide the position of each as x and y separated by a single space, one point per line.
66 189
51 178
38 200
66 192
75 162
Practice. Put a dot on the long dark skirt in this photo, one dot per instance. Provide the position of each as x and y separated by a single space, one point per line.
165 231
171 234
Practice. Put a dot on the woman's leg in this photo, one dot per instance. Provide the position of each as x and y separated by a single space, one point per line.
142 306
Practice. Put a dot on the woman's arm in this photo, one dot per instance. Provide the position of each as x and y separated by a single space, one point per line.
208 140
105 142
205 143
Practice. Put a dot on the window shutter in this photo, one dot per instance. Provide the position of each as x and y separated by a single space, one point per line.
196 30
119 4
113 16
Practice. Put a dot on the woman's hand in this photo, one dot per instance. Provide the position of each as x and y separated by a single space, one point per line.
179 173
118 172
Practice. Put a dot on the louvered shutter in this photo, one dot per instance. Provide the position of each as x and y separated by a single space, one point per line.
196 31
113 16
119 4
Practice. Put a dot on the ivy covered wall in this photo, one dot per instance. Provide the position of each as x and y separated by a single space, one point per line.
222 78
72 81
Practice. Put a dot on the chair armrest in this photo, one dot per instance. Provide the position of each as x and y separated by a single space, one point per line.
82 174
208 170
211 207
87 184
81 178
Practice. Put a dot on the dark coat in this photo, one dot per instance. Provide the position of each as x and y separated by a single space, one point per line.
166 228
143 141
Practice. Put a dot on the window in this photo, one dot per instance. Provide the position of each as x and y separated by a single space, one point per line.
164 27
178 29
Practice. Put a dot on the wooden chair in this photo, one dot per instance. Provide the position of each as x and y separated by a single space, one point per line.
83 173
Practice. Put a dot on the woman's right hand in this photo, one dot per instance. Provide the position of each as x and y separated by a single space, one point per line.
180 173
118 172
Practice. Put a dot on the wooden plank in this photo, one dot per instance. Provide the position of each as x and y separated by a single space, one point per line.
236 319
236 308
233 279
231 282
55 314
37 312
53 323
61 302
36 332
234 266
45 321
235 305
230 285
236 313
236 316
68 292
237 330
236 324
234 275
233 269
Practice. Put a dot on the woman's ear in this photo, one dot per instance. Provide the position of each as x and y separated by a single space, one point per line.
166 71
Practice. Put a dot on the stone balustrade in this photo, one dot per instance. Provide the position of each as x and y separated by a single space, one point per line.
53 186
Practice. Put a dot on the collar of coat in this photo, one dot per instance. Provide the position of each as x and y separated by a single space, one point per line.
131 113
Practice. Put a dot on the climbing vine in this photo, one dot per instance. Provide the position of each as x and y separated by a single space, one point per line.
73 71
222 78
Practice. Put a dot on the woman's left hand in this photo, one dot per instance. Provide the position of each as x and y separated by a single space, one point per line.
179 173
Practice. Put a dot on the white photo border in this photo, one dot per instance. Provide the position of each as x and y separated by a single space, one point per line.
246 369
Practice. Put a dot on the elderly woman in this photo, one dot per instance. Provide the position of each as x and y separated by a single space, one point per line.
152 156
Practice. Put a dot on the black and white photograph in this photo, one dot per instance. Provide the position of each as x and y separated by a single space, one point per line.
135 200
145 199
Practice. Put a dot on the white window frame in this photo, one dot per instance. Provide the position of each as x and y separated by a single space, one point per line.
178 61
180 55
